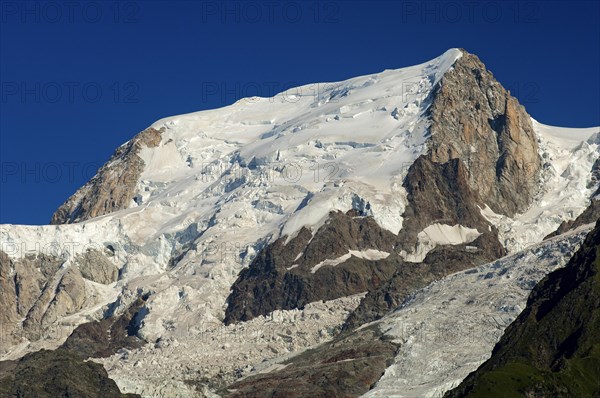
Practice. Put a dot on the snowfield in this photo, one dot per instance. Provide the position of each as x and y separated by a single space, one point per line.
370 254
440 234
225 353
568 155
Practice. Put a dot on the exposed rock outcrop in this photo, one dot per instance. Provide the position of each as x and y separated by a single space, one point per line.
66 371
474 119
10 310
440 193
59 373
70 295
62 295
113 187
437 193
409 277
34 293
105 337
345 367
286 276
552 349
95 266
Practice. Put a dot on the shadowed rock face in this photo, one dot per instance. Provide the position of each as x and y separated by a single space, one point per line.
59 373
409 277
105 337
437 193
95 266
113 187
65 372
552 349
346 367
271 282
440 193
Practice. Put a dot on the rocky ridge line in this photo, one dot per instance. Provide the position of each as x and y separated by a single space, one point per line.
113 187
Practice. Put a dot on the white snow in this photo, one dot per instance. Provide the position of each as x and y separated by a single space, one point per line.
565 190
440 234
369 254
208 349
566 138
331 263
228 181
449 328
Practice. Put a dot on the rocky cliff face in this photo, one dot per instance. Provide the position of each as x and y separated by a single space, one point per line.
440 193
474 119
66 371
34 293
38 290
409 277
96 267
55 301
553 347
113 187
293 274
104 337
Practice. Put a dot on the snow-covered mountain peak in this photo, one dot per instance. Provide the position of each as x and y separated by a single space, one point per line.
386 83
310 139
187 205
365 110
200 194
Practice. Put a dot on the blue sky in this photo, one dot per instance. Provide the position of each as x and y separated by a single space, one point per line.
80 78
